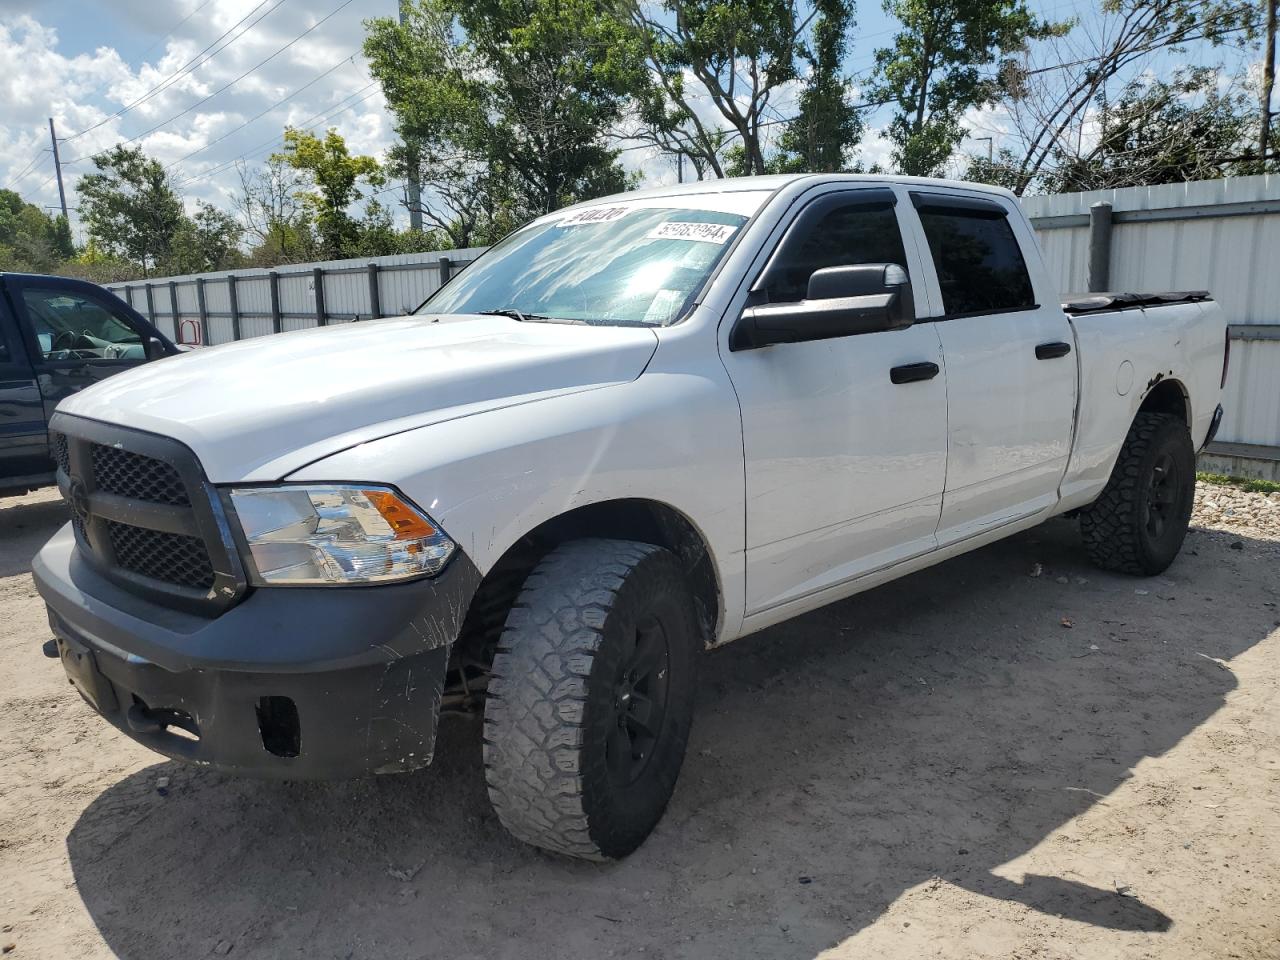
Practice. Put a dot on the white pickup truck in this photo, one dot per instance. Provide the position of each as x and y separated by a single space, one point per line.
634 429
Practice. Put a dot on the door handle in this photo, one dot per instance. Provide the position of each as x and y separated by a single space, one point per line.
911 372
1051 351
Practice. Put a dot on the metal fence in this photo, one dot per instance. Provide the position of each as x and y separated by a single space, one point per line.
217 308
1219 235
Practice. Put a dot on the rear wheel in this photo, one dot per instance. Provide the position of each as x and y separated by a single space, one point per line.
590 698
1139 522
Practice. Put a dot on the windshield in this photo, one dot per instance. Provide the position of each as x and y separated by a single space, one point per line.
621 264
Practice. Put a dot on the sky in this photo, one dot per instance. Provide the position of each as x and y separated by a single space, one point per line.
95 68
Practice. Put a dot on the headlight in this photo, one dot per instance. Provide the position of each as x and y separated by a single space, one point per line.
337 533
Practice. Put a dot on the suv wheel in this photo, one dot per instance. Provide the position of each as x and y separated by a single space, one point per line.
590 699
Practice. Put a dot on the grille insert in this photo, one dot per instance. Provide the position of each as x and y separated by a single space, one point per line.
132 475
60 452
170 557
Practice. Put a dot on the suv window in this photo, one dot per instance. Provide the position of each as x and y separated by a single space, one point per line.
979 263
68 326
850 234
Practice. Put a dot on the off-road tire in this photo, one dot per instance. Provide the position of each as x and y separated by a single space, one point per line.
552 724
1118 528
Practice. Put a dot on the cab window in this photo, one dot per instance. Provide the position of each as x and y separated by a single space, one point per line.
979 263
68 326
835 231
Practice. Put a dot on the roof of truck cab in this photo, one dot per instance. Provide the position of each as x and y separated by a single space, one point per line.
774 182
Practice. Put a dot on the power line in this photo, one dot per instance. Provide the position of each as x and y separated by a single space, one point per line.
257 66
27 170
169 33
323 116
185 69
316 79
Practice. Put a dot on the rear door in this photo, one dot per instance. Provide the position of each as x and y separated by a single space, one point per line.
76 334
24 448
1011 372
844 466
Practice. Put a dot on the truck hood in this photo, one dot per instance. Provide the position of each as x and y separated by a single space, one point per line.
260 409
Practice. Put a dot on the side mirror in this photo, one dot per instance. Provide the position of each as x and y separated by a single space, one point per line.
841 302
153 348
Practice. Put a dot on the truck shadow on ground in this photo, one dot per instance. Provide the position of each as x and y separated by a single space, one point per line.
927 732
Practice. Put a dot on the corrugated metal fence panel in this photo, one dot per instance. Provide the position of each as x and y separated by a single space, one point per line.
1195 236
402 282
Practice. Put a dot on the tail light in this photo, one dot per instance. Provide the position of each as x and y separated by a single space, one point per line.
1226 359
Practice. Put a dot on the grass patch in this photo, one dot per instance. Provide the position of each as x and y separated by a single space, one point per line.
1248 484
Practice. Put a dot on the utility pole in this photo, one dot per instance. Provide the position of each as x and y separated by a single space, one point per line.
1268 81
414 190
57 168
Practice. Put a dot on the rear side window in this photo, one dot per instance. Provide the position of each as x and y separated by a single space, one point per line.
846 236
979 263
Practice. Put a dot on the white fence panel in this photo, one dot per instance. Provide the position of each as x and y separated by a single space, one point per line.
1218 235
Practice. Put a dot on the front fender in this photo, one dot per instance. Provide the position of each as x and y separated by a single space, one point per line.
669 436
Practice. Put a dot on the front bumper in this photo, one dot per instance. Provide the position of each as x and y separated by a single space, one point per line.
292 682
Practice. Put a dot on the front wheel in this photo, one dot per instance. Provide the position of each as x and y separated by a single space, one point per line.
1139 522
590 698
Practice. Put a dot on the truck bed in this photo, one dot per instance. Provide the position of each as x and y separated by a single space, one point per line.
1094 302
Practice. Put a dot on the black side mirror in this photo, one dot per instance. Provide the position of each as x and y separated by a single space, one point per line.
153 348
841 302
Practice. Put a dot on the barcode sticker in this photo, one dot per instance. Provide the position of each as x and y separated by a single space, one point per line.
582 218
683 230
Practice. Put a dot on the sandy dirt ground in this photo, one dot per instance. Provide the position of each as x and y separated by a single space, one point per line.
972 762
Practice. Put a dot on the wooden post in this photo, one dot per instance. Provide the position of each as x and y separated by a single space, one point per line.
234 301
317 279
274 278
375 301
203 309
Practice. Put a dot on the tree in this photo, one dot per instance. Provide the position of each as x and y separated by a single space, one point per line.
274 217
1157 131
828 125
210 240
508 102
335 177
1052 96
30 239
939 67
130 207
739 55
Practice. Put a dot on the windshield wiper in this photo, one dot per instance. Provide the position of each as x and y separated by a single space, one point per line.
514 314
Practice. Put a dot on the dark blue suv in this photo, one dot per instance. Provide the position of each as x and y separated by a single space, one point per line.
57 336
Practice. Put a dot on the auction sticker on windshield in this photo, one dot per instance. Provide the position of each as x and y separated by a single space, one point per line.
591 215
683 230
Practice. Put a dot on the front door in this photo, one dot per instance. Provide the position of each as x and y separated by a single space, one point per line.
1011 369
844 467
75 333
24 449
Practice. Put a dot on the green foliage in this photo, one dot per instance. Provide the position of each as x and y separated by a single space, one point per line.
504 105
1248 484
1186 128
1001 171
130 208
208 241
827 126
30 240
940 66
333 177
